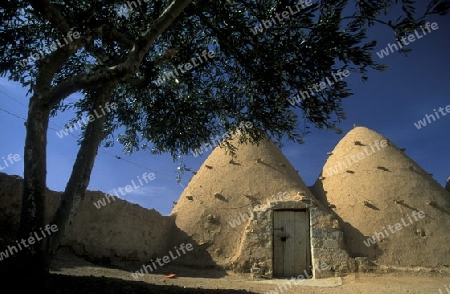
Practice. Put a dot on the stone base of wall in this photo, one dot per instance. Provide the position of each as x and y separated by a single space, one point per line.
328 255
327 243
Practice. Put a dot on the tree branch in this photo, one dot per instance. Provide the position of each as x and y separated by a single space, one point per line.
113 33
120 71
51 13
81 173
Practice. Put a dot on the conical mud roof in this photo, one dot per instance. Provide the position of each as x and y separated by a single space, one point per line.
373 188
225 188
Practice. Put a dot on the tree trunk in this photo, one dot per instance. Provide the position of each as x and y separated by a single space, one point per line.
29 263
81 173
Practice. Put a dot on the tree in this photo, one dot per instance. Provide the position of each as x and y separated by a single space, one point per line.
178 72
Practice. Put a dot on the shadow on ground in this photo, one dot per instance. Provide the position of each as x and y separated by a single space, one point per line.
63 284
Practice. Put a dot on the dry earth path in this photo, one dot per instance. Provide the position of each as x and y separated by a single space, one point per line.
421 282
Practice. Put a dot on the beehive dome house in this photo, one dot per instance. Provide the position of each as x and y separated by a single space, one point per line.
390 209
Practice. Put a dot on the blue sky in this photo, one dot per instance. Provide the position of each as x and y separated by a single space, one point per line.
389 103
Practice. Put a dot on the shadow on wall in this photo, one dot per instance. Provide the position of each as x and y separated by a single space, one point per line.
355 241
199 257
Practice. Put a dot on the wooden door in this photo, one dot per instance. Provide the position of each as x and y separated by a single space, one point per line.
291 246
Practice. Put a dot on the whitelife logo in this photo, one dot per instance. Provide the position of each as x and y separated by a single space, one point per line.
447 289
10 158
129 7
53 47
318 87
423 123
282 196
398 226
243 127
165 259
85 120
128 188
185 67
411 38
31 240
285 14
361 155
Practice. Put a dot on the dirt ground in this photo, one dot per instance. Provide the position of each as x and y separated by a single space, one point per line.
190 280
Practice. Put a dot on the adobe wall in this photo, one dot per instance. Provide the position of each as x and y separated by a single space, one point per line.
118 231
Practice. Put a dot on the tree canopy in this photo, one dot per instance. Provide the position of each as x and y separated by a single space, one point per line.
249 79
